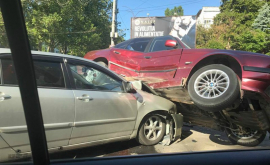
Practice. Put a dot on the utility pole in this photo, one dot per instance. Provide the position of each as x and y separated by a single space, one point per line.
113 34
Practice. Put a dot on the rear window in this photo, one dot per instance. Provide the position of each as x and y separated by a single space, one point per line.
48 74
8 71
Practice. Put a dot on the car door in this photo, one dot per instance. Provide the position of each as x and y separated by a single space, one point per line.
56 100
160 61
125 57
103 109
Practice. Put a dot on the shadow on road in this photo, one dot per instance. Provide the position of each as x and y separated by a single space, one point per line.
220 139
131 147
215 136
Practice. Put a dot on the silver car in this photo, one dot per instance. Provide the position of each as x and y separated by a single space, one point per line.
83 104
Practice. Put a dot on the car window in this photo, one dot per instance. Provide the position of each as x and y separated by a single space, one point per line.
48 74
122 45
158 44
8 71
138 44
89 78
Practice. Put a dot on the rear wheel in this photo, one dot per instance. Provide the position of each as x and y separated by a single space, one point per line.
152 130
102 64
245 136
214 87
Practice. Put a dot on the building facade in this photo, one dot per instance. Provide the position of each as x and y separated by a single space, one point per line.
206 15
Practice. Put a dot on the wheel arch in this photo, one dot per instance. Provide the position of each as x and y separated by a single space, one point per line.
224 59
162 113
103 59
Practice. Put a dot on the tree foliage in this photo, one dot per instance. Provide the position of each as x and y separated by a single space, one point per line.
237 27
262 22
71 27
176 11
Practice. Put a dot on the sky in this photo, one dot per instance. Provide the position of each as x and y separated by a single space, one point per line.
140 8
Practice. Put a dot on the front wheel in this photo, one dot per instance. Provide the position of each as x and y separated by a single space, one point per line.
245 136
152 130
214 87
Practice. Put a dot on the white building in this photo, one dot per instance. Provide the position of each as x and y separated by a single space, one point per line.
205 16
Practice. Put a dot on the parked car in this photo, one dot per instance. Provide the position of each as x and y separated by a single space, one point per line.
232 87
83 104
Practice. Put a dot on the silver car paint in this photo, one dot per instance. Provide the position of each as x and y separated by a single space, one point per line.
109 114
57 126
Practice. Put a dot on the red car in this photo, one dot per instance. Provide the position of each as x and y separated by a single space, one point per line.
170 67
213 80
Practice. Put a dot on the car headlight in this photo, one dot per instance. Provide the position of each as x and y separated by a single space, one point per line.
268 91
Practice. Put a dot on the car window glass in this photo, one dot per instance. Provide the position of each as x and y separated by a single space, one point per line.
48 74
138 45
90 78
122 45
159 44
8 71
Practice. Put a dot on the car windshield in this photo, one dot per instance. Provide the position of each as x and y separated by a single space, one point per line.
123 77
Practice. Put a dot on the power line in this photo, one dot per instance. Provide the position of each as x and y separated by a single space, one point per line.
123 21
141 4
182 4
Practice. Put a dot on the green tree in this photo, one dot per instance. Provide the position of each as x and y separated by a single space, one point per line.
262 22
3 36
232 28
176 11
71 27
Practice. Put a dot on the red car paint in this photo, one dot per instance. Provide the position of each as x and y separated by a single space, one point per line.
171 68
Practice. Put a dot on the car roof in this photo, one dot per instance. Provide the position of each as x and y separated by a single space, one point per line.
50 54
6 50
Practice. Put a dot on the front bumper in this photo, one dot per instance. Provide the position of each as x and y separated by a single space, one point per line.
257 80
178 124
174 124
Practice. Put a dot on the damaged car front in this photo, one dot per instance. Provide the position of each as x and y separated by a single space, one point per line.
153 109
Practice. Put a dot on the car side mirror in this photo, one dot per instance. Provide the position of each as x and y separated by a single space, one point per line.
171 43
130 88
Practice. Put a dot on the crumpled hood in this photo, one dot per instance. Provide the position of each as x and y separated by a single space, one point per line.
153 101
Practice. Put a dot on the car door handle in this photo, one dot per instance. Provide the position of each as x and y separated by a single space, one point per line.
85 98
147 57
116 52
4 97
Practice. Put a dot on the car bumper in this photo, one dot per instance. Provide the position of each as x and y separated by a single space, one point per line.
257 80
178 121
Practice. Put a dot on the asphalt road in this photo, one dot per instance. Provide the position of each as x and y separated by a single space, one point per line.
193 139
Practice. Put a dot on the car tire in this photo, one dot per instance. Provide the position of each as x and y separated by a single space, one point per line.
214 93
148 133
251 140
102 64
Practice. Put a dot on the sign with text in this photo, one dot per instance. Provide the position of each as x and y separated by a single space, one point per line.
182 27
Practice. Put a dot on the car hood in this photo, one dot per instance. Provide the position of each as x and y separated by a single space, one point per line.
150 100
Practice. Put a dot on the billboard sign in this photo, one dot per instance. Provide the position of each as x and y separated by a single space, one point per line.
182 27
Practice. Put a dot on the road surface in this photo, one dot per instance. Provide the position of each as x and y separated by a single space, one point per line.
193 139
